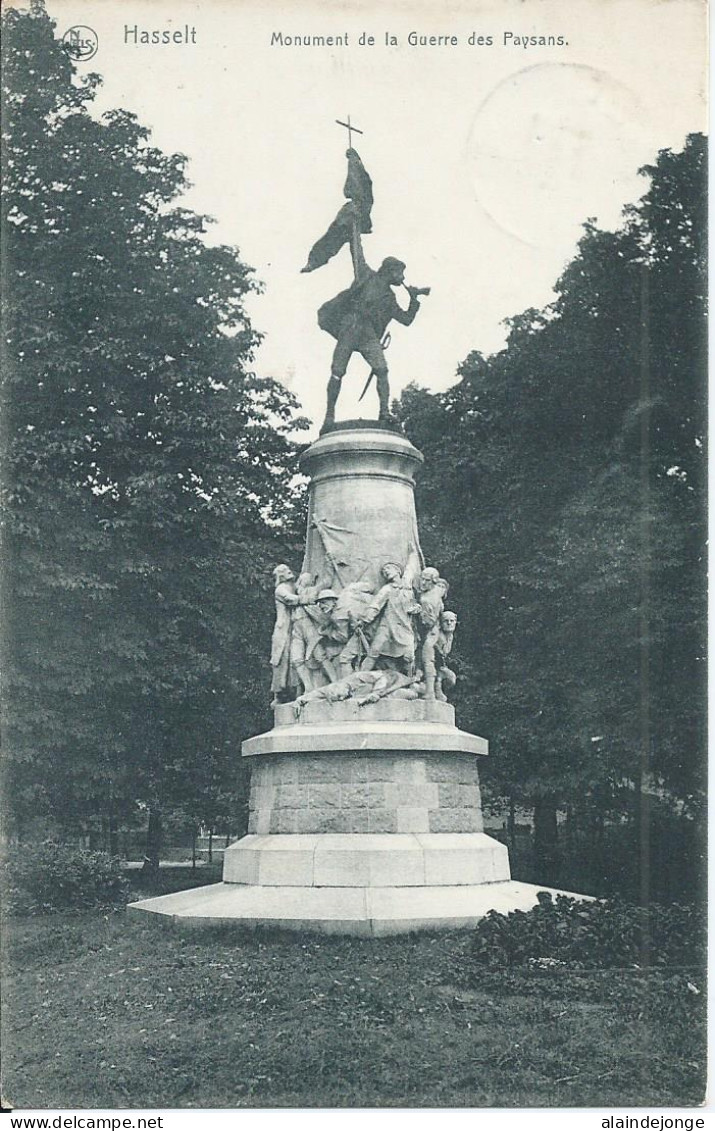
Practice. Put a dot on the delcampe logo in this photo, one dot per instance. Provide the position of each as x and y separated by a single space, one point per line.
80 42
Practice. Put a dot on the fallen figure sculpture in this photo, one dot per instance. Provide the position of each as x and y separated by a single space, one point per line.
365 687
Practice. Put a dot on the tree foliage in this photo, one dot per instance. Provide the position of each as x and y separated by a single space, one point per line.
147 472
563 495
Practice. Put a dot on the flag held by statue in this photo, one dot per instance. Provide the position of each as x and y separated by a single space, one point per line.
358 190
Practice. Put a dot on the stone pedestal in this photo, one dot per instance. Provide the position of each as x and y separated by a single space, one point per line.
362 493
363 819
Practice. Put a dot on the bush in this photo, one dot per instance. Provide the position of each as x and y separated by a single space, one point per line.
592 935
47 877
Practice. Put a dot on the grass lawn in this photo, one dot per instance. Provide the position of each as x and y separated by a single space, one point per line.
102 1010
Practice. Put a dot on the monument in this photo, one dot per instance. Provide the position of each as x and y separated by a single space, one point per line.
365 811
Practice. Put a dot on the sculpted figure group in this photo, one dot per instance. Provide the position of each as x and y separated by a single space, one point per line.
362 644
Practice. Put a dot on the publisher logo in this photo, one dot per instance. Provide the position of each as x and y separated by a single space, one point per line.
80 42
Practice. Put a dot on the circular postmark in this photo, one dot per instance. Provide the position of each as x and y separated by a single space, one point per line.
80 42
548 143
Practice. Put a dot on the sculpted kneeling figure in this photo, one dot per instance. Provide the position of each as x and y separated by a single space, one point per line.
442 648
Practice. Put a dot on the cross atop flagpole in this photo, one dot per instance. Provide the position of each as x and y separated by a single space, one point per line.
351 130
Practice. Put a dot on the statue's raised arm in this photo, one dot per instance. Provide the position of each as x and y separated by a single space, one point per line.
360 267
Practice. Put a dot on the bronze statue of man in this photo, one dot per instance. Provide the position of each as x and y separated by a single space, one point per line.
358 317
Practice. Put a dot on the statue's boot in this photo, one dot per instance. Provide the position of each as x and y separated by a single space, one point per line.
333 393
383 392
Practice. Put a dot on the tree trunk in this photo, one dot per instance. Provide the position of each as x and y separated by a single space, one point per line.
113 836
568 828
511 826
153 842
644 864
194 834
211 845
546 843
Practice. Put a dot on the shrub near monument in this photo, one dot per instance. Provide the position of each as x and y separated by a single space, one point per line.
37 879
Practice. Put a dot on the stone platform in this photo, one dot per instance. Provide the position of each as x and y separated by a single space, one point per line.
359 911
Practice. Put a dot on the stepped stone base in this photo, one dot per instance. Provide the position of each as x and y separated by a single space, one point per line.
365 860
360 911
357 884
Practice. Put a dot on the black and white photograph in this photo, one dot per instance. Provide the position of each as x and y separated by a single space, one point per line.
354 561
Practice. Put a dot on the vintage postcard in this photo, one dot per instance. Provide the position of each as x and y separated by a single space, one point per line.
355 467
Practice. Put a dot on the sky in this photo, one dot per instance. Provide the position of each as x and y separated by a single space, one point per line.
485 159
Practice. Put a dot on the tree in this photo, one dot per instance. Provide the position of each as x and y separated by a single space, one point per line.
148 471
564 489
